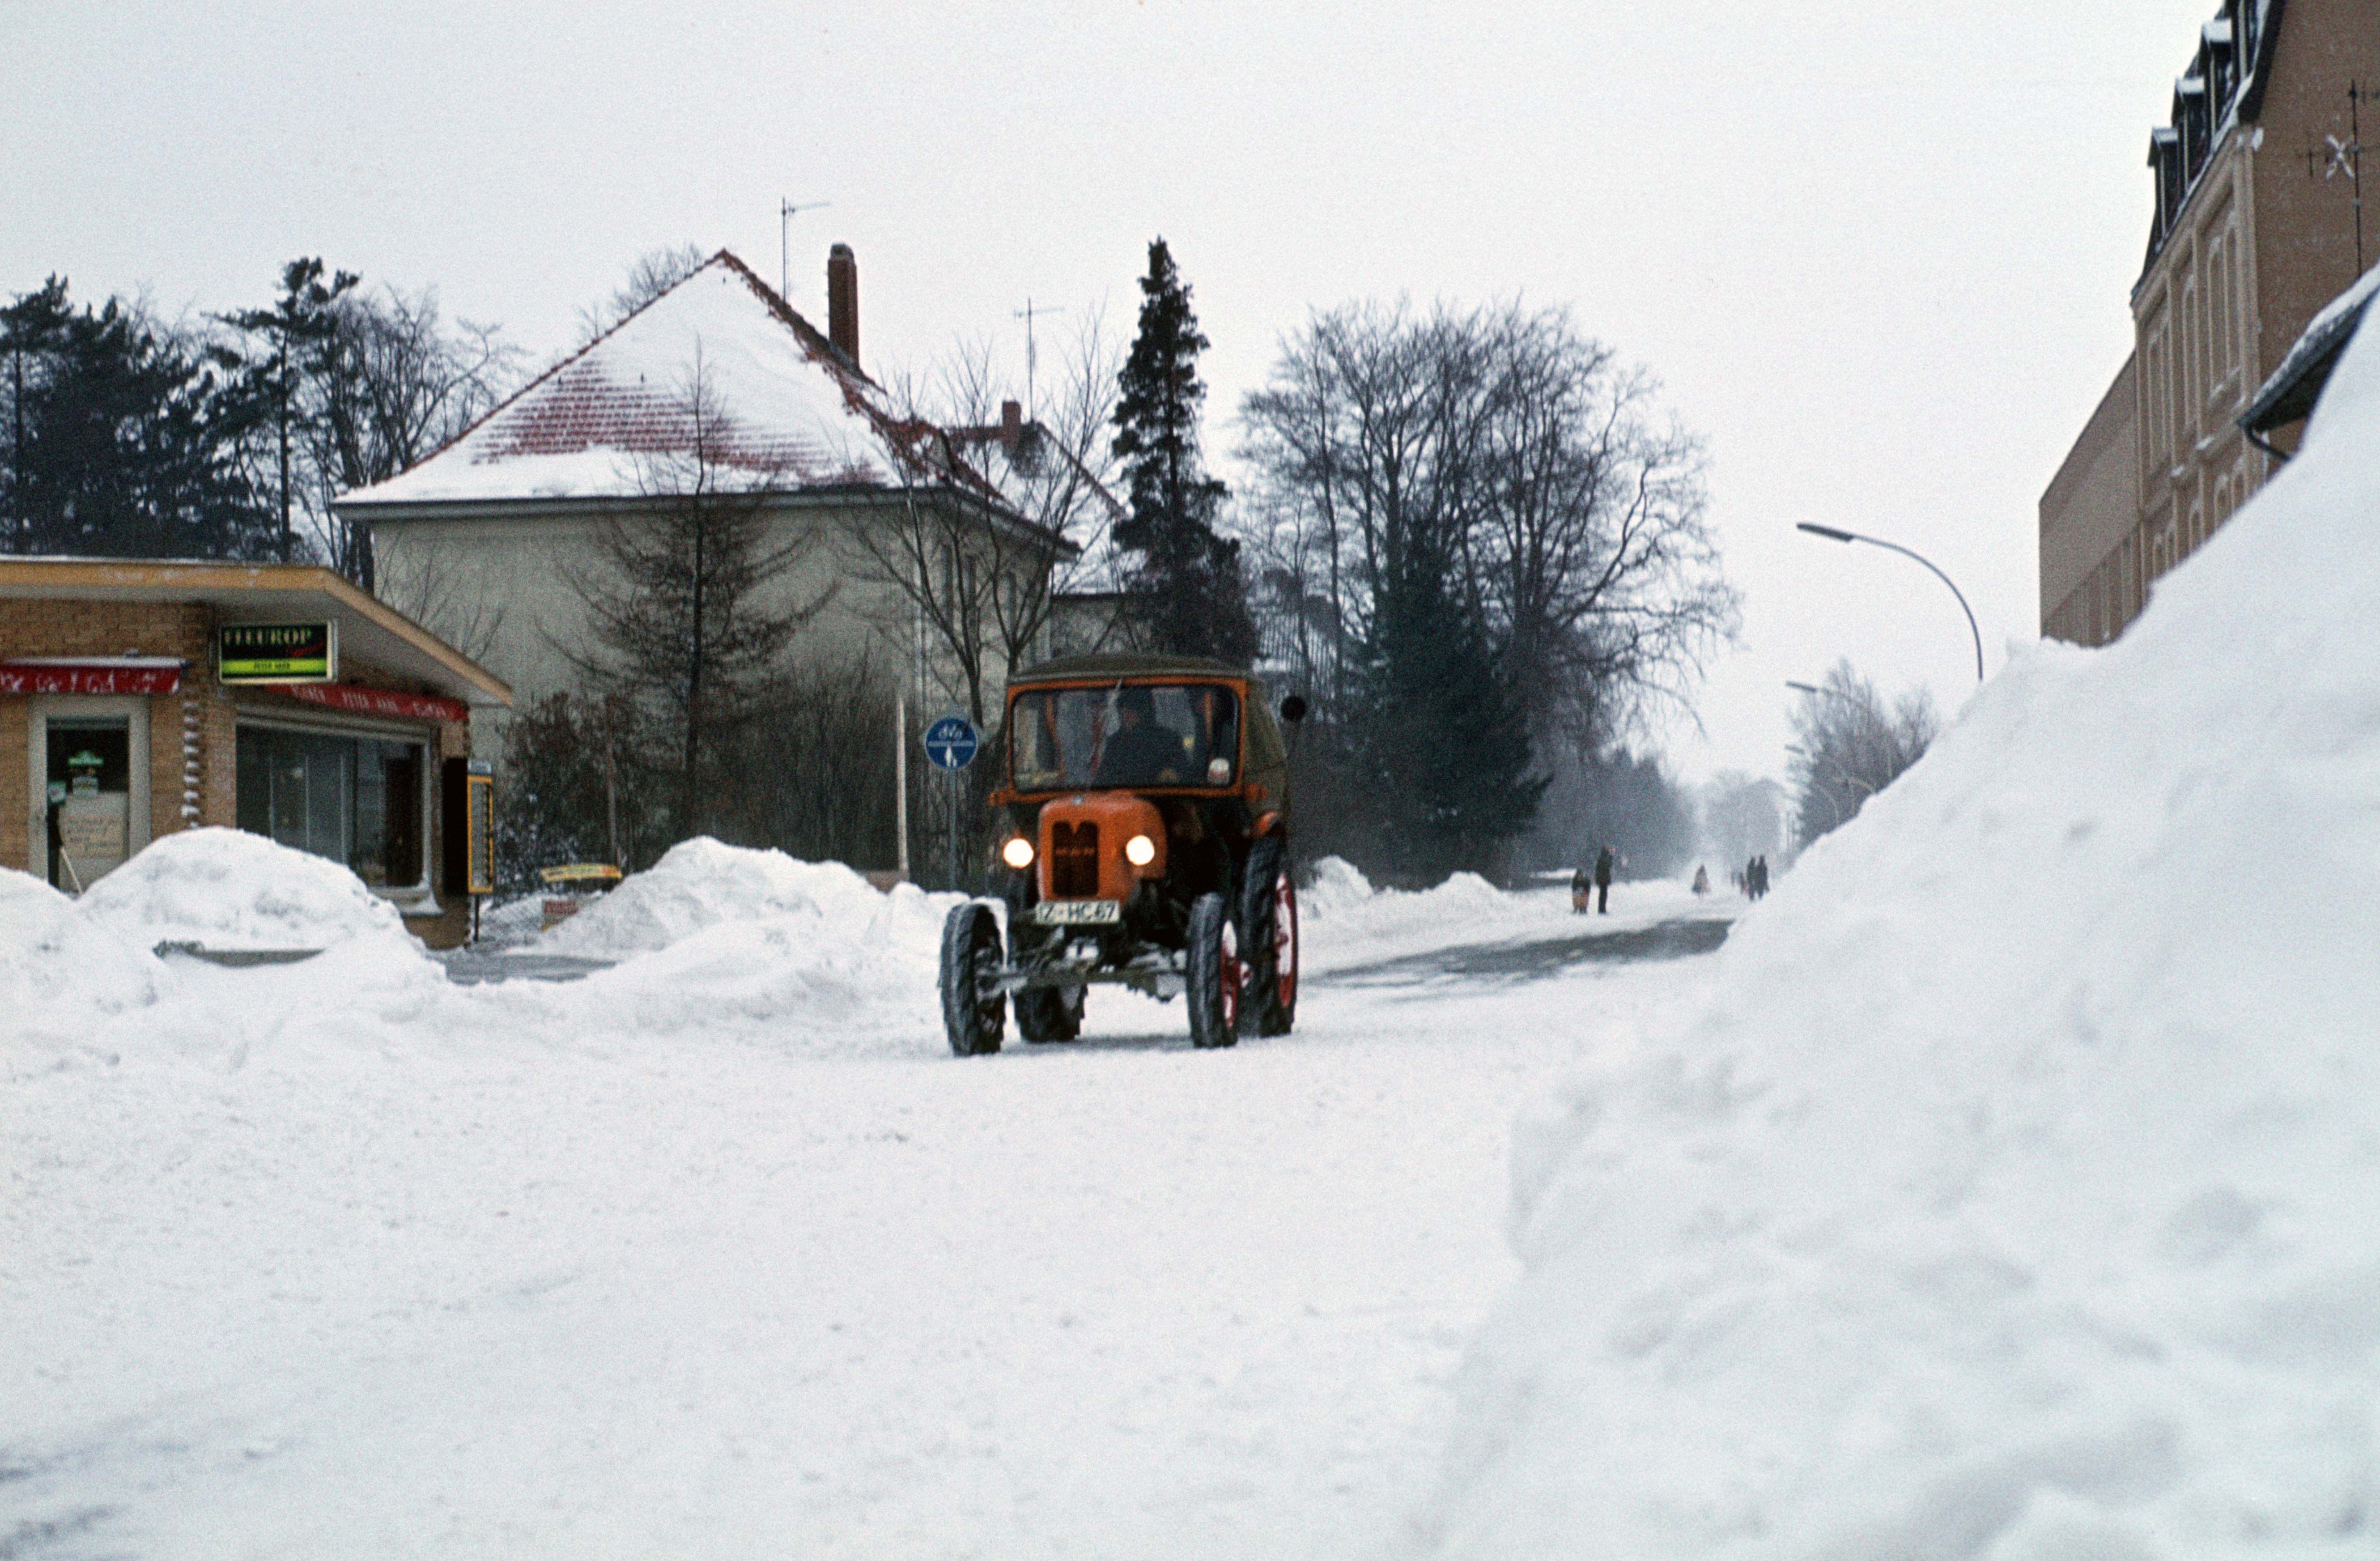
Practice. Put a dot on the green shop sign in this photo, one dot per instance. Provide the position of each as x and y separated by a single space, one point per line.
277 652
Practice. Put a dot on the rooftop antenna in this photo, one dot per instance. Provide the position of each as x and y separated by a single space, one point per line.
786 210
1027 314
2335 156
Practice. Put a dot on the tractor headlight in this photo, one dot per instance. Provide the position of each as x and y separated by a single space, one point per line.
1140 850
1017 853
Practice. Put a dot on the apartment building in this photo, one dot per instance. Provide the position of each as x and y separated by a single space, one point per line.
2255 225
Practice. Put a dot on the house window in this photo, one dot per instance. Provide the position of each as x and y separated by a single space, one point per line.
2193 358
2156 443
2225 282
357 799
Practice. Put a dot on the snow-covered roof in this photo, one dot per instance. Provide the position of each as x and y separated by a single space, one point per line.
798 413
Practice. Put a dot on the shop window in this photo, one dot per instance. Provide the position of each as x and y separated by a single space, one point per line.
355 799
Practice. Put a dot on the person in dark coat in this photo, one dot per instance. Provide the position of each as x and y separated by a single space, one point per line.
1603 882
1141 752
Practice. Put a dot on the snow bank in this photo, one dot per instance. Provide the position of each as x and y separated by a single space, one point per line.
217 887
81 981
702 884
719 934
2011 1195
228 889
1347 922
50 956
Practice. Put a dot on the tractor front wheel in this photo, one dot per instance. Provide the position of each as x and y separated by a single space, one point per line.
973 1006
1213 983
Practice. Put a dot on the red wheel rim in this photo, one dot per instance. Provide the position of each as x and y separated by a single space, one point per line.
1285 940
1227 945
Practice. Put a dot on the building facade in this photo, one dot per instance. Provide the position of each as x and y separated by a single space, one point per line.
716 388
137 699
2254 227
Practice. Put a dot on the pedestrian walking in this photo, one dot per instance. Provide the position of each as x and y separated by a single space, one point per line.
1578 890
1603 882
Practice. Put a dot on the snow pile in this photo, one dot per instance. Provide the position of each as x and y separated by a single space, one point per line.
1345 920
228 889
82 983
702 884
2012 1193
51 954
715 934
220 888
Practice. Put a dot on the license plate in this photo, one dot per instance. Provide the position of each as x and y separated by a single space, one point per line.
1053 913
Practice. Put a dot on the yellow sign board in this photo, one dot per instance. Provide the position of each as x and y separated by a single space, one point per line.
277 652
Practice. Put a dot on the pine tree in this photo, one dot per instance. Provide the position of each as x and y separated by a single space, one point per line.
1192 601
123 441
1443 737
301 325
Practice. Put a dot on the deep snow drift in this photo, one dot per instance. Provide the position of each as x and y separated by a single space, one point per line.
2007 1189
2014 1193
718 1252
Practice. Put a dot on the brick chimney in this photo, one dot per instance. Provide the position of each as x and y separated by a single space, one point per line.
1011 423
843 300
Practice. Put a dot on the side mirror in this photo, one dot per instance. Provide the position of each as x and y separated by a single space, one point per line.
1292 708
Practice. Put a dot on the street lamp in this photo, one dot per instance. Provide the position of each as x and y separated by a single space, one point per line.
1831 693
1833 534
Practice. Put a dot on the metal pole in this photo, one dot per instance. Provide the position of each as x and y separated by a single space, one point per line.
1833 534
786 210
901 780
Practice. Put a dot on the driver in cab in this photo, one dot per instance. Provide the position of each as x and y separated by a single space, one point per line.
1142 753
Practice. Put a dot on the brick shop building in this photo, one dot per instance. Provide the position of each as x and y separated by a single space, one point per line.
141 698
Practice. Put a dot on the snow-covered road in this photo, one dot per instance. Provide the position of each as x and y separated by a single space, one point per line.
388 1277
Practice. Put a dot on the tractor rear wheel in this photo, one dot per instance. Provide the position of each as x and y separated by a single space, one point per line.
1269 939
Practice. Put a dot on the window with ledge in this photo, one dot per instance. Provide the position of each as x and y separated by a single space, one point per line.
357 799
2156 440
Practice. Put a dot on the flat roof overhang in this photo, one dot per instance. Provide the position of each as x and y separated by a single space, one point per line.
370 628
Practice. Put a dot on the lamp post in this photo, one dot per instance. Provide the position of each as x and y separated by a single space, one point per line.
1833 534
1831 693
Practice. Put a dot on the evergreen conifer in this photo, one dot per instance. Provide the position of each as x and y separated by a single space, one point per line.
1444 736
1190 598
122 441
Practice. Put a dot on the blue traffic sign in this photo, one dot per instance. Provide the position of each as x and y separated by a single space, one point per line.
951 743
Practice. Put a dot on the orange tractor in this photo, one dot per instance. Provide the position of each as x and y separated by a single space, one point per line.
1146 842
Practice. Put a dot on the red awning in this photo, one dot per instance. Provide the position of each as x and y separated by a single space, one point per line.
379 702
96 674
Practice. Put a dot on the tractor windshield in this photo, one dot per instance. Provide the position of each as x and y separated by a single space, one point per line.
1125 735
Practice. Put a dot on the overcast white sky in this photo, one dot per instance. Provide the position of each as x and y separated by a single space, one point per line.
1878 252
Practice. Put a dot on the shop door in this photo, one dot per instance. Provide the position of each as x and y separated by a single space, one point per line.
94 798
